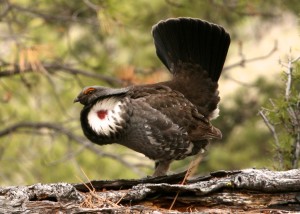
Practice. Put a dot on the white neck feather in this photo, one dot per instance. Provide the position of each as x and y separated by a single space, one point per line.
214 114
107 125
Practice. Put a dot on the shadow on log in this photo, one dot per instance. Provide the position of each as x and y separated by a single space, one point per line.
249 190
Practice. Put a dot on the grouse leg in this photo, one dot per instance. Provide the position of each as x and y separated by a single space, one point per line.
161 167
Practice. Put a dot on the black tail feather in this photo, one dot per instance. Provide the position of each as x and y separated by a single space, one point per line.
187 40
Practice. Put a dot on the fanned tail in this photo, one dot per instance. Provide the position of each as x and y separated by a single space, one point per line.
187 40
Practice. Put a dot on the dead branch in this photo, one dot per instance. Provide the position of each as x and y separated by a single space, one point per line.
5 9
243 61
71 135
272 129
51 17
289 72
55 67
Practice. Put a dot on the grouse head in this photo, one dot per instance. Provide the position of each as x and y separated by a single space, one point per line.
92 93
102 115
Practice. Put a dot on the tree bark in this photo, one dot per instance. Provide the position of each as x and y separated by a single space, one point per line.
249 190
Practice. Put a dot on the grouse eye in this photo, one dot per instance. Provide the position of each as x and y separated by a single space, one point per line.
88 91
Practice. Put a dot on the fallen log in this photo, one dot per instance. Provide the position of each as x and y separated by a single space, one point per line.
248 190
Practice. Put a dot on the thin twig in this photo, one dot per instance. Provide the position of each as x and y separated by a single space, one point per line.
89 200
225 75
244 61
51 17
189 171
273 131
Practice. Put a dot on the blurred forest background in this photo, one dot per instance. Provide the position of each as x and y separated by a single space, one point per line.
50 49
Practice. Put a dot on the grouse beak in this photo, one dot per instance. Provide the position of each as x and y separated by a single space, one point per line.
76 100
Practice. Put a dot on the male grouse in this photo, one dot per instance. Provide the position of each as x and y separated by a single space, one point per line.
168 120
